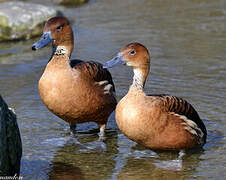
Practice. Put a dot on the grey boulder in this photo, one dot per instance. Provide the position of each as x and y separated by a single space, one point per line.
19 20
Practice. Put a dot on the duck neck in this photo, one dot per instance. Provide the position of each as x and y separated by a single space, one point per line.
61 50
139 78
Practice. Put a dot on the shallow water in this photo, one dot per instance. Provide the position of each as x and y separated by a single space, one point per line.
187 41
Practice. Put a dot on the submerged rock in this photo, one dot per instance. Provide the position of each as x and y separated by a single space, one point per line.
10 142
72 2
19 20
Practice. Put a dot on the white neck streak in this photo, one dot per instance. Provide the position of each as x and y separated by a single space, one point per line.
138 79
60 50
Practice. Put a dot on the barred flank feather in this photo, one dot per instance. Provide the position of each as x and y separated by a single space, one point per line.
182 107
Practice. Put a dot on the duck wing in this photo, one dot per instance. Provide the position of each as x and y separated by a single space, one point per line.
94 70
178 106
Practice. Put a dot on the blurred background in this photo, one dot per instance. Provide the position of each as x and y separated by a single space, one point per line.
187 42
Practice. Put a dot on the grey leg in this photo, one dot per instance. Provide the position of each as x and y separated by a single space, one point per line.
101 133
73 128
181 154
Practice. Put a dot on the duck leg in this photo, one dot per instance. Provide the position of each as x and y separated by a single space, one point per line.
74 135
175 164
73 128
101 133
181 154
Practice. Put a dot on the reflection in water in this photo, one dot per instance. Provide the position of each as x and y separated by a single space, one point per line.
187 44
90 163
63 171
126 150
163 167
122 159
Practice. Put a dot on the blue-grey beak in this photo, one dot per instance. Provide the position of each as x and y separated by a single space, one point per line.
43 42
117 60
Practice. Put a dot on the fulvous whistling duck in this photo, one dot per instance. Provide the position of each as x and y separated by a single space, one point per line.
74 90
160 122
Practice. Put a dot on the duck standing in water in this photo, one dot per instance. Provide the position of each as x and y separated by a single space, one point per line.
74 90
159 122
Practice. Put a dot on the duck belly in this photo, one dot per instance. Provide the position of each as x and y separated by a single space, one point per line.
74 101
152 127
129 120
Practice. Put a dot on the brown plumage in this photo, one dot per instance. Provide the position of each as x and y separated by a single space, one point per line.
157 121
181 107
74 90
94 70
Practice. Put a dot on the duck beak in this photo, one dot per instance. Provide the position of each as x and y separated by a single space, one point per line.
43 42
117 60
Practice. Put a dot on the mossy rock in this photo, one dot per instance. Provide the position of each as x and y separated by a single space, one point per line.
72 2
19 20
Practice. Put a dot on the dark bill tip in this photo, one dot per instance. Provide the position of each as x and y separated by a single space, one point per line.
33 48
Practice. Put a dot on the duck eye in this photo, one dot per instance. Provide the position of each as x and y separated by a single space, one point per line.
59 27
132 52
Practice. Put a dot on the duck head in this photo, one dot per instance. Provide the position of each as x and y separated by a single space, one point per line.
136 56
57 31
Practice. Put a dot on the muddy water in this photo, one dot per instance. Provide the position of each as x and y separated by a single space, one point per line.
187 41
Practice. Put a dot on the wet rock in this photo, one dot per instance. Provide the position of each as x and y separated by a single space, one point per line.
10 142
19 20
71 2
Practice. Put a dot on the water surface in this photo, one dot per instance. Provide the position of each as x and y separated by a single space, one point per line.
187 41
